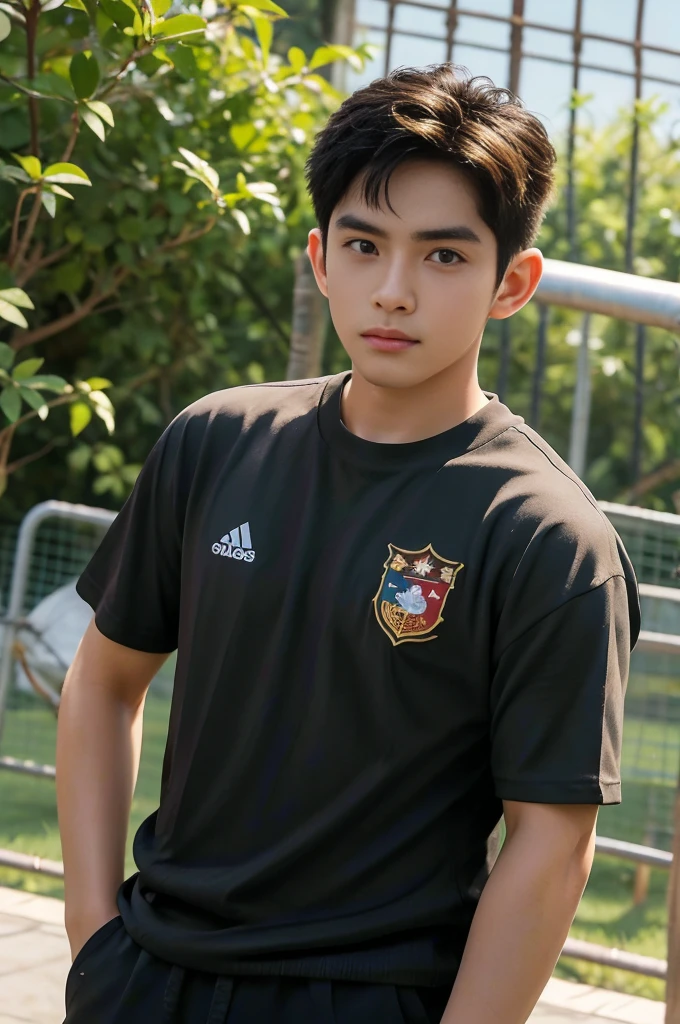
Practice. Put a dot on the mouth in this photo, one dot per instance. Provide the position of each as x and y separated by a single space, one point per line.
389 342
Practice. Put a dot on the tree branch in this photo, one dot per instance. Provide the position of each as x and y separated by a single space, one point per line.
9 431
260 304
30 228
14 241
38 262
23 339
19 463
182 238
20 341
32 14
73 138
663 475
135 55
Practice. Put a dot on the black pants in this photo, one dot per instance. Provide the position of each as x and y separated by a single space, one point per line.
114 981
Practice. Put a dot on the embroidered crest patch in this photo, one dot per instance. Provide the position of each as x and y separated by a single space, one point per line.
412 593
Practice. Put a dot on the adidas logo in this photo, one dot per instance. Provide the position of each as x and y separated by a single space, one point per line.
236 544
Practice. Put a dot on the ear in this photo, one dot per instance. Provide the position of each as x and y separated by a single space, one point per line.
315 253
519 283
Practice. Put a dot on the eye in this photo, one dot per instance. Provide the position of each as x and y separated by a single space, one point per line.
361 241
457 258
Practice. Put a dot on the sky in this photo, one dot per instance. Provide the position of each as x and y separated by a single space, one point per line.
544 86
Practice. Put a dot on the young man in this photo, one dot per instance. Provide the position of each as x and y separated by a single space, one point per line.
398 615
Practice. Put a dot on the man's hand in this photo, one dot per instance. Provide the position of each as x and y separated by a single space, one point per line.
524 913
79 932
99 738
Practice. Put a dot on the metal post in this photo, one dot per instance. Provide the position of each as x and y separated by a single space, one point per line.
673 976
580 418
516 44
29 526
539 369
451 26
640 344
390 33
571 139
642 300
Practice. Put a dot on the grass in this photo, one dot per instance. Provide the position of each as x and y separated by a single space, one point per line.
28 810
28 824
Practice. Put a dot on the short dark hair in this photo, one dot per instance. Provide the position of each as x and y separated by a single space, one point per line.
439 112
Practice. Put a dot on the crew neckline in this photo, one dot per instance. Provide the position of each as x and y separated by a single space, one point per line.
478 429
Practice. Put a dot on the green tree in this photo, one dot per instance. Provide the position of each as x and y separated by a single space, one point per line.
601 170
190 134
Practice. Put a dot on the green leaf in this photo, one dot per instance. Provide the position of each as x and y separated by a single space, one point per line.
242 221
94 123
10 403
180 25
5 26
106 416
297 58
59 191
30 164
6 356
17 296
242 134
9 173
160 7
84 72
149 64
67 174
80 415
100 400
49 201
328 54
48 382
184 61
35 400
102 110
98 383
120 13
264 30
12 314
76 5
263 5
79 458
191 158
51 85
27 368
12 10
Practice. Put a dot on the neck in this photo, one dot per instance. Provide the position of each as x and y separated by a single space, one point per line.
399 415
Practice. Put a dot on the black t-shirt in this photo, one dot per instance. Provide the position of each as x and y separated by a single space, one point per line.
377 644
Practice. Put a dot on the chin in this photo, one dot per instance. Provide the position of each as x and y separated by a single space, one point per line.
388 370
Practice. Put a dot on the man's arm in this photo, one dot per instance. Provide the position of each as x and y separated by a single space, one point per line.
99 738
524 913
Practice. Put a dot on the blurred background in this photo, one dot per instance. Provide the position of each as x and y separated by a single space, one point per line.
153 220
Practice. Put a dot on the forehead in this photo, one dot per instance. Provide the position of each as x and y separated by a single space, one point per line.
422 193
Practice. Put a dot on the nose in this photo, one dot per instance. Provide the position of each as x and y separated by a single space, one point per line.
394 290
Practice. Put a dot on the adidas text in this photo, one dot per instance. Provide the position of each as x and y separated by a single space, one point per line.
229 551
236 544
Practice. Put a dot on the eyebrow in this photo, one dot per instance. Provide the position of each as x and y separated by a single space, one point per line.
457 233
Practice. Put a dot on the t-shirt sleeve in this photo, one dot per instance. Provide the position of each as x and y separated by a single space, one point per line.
558 686
132 582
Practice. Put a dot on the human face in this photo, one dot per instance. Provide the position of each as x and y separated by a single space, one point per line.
428 270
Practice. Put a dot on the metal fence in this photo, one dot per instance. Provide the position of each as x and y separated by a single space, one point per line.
54 544
552 53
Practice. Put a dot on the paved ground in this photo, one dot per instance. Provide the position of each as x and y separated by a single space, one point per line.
35 958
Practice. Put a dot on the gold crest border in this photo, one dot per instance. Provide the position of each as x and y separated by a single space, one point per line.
417 639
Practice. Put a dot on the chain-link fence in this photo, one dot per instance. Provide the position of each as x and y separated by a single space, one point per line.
651 754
